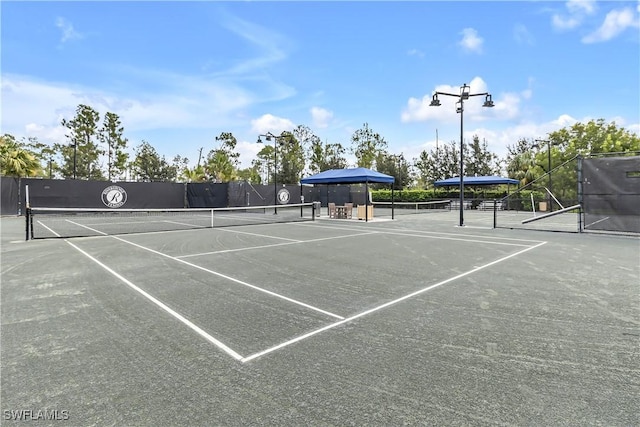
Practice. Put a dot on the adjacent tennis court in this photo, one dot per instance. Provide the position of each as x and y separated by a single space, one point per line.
323 322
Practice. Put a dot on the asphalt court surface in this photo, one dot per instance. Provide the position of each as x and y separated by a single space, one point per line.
245 287
282 298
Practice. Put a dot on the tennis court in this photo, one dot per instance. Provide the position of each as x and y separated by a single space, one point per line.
326 322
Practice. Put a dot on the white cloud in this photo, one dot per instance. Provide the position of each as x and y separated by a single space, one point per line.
581 6
270 123
170 100
416 52
562 23
68 32
321 117
471 42
499 138
614 23
418 110
273 47
578 9
522 35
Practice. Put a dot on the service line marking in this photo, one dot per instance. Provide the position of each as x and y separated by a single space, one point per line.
296 242
385 305
215 273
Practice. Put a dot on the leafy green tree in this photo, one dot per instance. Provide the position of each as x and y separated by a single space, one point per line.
149 166
397 166
291 158
195 174
251 174
45 154
111 135
521 161
80 156
265 163
308 140
16 159
222 163
440 163
365 145
479 161
326 156
594 137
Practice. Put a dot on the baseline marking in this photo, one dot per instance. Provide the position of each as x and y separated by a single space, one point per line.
385 305
215 273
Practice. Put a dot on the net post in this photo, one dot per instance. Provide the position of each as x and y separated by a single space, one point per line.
392 202
495 212
211 213
27 215
580 194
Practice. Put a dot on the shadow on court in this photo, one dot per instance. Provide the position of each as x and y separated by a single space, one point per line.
414 321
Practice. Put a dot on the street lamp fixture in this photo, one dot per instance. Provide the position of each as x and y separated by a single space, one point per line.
465 93
268 136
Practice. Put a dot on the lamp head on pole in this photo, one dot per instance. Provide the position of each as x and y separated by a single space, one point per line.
435 102
488 102
259 141
459 107
464 91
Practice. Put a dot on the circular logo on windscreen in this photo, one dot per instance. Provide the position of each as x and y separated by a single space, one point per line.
114 196
283 196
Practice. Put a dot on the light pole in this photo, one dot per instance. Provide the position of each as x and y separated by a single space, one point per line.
462 96
75 158
268 137
548 142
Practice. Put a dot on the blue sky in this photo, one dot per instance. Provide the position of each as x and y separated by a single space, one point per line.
180 73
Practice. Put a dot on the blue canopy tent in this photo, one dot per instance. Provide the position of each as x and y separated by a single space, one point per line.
475 180
351 176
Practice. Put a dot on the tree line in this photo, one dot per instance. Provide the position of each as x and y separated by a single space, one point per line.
96 149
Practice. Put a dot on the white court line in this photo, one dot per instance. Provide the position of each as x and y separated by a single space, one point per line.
385 305
191 226
445 237
418 232
296 242
157 302
489 242
258 235
55 234
163 306
224 276
222 251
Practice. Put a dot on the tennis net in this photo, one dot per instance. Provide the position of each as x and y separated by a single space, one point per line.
45 223
407 208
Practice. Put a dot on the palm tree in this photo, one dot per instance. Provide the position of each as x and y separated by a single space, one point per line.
523 168
197 174
16 160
